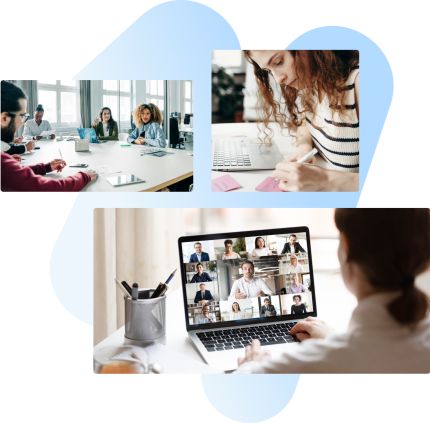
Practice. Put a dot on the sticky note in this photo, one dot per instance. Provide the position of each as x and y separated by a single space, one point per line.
224 183
270 184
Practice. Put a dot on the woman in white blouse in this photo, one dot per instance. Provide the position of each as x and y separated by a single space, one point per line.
389 331
260 249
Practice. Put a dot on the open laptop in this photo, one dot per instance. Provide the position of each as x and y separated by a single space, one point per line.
243 153
259 290
89 134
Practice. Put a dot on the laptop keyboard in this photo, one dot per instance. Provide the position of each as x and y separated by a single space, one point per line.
228 339
230 154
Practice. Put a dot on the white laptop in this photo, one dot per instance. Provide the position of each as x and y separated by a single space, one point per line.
243 153
257 288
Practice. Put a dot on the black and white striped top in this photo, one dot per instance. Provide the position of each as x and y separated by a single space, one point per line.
335 134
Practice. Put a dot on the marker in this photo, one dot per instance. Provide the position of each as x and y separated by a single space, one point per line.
308 156
127 287
135 291
125 145
122 287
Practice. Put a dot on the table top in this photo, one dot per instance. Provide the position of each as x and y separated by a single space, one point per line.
111 159
251 178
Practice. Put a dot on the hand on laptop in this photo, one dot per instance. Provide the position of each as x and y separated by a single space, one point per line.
310 328
253 352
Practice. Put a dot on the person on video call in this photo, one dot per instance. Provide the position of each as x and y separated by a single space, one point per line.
294 267
15 177
260 249
268 309
205 316
389 330
248 286
198 255
293 247
298 307
296 287
203 296
34 127
228 252
200 275
236 313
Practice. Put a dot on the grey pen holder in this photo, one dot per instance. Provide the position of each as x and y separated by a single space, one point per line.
145 319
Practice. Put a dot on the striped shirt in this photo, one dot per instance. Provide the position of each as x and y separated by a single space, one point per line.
336 135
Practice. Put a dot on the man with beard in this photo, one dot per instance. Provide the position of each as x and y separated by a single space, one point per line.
15 177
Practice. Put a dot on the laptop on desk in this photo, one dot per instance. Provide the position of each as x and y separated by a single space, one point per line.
242 153
231 296
89 134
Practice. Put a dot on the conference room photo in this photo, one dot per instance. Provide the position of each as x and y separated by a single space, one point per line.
97 136
285 120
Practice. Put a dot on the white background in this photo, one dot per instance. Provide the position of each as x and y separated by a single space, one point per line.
45 355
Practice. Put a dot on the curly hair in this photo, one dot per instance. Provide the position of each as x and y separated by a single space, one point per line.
156 115
319 73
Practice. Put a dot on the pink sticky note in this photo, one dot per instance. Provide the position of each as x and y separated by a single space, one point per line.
224 183
270 184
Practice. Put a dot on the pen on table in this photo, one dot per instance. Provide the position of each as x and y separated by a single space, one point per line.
162 287
135 291
61 154
307 156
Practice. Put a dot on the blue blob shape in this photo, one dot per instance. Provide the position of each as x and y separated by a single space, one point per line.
250 398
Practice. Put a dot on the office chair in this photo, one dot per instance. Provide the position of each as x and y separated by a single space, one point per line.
187 119
175 140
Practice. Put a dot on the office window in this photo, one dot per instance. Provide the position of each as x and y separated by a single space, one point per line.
155 93
188 108
118 96
60 100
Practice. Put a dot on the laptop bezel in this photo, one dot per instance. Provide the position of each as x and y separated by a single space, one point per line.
255 320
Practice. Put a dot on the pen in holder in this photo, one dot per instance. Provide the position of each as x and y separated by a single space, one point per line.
145 317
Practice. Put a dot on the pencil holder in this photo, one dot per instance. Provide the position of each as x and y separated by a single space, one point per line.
145 318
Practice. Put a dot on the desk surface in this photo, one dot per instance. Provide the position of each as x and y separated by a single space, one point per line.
250 179
109 158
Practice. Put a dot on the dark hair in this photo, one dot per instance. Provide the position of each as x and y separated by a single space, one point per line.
267 299
294 235
111 120
197 243
238 306
256 239
297 296
10 96
390 267
247 261
320 72
39 108
199 264
227 242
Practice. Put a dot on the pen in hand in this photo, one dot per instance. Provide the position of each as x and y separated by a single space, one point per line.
307 156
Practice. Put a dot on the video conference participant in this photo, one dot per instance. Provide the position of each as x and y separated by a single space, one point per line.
268 309
203 296
320 99
294 267
389 330
15 177
198 255
296 287
298 307
248 286
148 131
34 127
105 126
200 275
228 252
205 316
236 313
293 247
260 248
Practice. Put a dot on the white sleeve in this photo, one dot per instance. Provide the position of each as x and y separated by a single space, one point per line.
234 288
48 126
265 288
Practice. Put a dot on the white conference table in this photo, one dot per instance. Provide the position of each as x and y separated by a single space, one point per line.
111 159
251 178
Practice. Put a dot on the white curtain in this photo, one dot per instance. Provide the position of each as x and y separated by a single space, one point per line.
135 245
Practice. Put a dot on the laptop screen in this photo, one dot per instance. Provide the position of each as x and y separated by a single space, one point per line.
239 278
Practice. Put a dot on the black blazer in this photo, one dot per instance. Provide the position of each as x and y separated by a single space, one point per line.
113 132
207 296
297 248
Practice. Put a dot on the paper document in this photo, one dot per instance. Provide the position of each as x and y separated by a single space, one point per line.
46 134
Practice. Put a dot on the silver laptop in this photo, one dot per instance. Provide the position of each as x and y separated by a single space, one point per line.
243 153
245 285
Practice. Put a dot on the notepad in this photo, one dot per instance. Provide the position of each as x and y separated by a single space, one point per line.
224 183
270 184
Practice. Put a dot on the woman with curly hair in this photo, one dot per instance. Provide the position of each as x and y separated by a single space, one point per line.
148 131
319 103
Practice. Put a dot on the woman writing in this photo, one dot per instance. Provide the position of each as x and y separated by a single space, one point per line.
320 92
148 131
104 125
389 331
